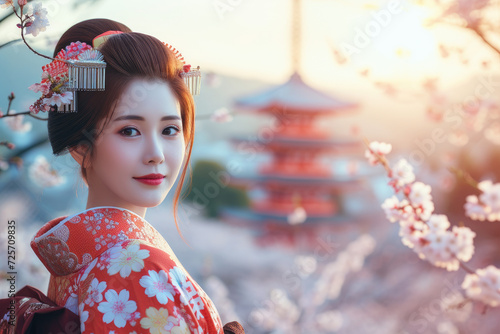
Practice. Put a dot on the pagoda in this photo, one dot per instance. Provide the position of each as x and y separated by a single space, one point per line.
300 190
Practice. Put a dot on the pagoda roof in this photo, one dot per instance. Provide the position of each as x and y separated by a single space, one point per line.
294 95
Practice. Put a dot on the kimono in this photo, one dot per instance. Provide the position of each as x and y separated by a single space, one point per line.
118 274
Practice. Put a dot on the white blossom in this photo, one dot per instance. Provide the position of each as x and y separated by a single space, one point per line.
298 216
39 20
473 209
58 99
420 193
484 285
381 149
438 223
445 248
402 174
16 123
396 210
41 173
221 115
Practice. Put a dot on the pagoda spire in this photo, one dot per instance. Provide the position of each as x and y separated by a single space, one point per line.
296 36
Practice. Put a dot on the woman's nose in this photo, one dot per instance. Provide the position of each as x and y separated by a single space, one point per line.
154 150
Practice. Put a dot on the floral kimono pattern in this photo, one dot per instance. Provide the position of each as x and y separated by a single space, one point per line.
114 270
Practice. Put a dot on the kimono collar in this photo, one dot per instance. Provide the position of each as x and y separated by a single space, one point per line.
67 244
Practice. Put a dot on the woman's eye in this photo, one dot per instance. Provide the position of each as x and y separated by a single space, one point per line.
174 129
128 131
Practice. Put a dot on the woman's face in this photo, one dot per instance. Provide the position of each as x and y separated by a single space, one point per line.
144 136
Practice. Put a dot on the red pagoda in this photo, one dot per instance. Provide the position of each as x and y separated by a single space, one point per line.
300 190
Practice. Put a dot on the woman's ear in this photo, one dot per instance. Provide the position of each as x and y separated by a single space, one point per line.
78 153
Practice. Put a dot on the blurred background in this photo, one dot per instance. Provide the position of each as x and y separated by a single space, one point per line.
283 216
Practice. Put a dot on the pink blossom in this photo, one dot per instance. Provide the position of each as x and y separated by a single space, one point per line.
43 87
445 248
473 209
16 123
436 250
378 148
484 285
298 216
420 193
58 99
39 20
396 210
464 247
491 195
22 3
438 223
487 205
402 174
412 231
221 115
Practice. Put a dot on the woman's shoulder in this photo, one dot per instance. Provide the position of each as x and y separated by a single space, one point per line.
152 285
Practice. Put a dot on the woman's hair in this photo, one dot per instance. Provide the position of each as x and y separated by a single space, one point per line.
128 56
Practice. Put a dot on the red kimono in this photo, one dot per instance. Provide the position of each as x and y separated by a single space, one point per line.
114 270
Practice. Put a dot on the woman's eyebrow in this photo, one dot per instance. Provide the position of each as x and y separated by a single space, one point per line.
140 118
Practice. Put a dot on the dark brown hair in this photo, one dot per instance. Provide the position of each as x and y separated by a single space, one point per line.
128 56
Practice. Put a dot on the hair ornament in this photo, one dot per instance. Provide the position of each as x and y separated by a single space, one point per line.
102 38
75 68
192 78
87 72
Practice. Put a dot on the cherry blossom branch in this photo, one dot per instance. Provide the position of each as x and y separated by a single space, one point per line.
464 176
427 233
26 22
11 97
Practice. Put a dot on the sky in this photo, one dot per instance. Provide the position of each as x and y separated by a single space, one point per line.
252 39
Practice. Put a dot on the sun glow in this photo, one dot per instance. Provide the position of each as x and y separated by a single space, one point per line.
406 42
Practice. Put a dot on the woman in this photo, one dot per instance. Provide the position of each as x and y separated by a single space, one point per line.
107 264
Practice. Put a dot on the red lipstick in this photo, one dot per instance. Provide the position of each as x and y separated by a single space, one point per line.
151 179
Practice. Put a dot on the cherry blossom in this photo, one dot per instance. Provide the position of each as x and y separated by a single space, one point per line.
298 216
396 210
15 123
487 205
42 173
402 174
484 285
59 99
221 115
445 248
38 21
377 148
117 307
467 9
429 234
43 87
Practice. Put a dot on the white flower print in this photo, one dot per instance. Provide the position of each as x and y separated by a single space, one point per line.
157 284
84 315
124 260
178 278
72 303
117 307
94 294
